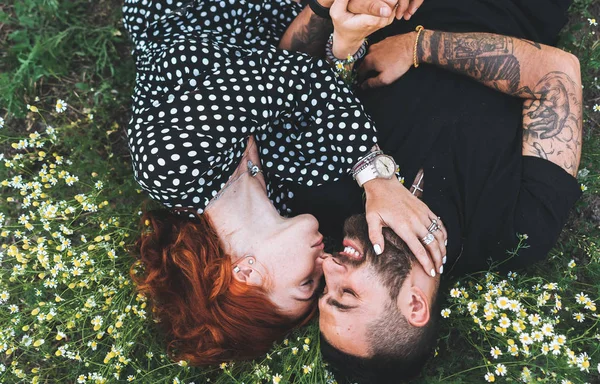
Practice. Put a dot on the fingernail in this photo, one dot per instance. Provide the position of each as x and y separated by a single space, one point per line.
444 260
377 249
384 12
445 242
412 11
441 269
432 273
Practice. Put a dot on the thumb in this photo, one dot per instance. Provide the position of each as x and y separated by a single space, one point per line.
374 8
339 7
373 82
376 232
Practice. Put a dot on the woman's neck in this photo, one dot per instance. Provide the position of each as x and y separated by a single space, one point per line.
243 204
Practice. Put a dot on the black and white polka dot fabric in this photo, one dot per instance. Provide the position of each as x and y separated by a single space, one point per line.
208 77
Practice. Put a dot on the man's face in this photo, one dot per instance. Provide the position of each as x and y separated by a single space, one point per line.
354 295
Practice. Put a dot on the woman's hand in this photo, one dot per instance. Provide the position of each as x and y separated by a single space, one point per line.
390 204
350 30
391 58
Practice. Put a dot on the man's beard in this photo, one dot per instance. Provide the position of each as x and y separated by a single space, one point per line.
392 266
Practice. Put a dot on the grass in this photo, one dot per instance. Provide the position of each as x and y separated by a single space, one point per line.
69 211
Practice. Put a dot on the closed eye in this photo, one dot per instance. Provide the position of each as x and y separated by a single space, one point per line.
349 291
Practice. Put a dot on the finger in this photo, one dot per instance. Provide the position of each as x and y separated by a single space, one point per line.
367 65
377 8
421 254
414 6
434 251
439 239
338 8
445 237
373 82
402 7
376 232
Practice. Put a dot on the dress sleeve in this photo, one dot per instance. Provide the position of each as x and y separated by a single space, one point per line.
198 99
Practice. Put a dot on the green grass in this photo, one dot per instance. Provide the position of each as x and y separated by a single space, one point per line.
77 51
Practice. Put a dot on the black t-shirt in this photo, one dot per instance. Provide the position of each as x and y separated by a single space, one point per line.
467 138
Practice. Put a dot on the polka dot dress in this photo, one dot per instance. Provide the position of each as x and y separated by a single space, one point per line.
209 76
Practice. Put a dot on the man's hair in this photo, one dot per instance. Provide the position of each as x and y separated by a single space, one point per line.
398 350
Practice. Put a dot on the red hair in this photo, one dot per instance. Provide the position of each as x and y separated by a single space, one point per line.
208 316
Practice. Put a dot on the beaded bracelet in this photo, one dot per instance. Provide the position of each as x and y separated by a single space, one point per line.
343 68
364 162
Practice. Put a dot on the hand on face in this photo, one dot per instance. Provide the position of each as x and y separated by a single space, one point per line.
390 204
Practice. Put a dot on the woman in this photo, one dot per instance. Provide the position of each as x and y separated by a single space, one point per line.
223 123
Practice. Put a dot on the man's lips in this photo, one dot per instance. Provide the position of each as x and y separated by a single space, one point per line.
354 245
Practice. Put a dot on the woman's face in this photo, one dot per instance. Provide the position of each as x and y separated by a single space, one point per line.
292 259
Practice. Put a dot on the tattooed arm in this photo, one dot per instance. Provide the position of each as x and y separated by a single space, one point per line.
546 77
308 33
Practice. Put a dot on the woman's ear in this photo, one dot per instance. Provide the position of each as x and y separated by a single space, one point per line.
246 271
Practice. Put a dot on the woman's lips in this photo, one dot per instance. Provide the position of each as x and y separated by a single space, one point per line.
319 243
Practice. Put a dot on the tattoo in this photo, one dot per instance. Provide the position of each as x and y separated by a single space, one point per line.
312 37
532 43
552 121
485 57
552 115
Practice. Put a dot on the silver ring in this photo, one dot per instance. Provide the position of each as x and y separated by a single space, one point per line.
428 239
433 227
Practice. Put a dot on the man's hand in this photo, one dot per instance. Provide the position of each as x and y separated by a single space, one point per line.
390 204
391 58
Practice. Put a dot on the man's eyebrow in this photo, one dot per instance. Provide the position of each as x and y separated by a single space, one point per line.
333 302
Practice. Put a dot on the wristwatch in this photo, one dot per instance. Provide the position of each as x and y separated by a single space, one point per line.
378 167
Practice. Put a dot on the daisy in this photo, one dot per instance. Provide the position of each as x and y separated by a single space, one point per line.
61 106
495 352
501 370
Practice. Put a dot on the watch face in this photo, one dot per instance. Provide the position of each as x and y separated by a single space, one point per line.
385 165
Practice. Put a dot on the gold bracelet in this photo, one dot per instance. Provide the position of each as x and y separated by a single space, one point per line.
419 30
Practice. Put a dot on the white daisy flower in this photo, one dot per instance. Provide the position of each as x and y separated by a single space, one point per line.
61 106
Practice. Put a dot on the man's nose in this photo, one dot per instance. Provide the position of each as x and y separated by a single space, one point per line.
333 267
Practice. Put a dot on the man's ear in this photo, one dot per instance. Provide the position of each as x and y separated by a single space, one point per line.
246 272
414 305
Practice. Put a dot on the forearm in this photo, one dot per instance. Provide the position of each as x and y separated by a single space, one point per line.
546 77
308 33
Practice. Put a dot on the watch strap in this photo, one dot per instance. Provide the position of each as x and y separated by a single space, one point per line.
366 174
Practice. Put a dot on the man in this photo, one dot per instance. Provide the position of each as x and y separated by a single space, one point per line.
495 124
